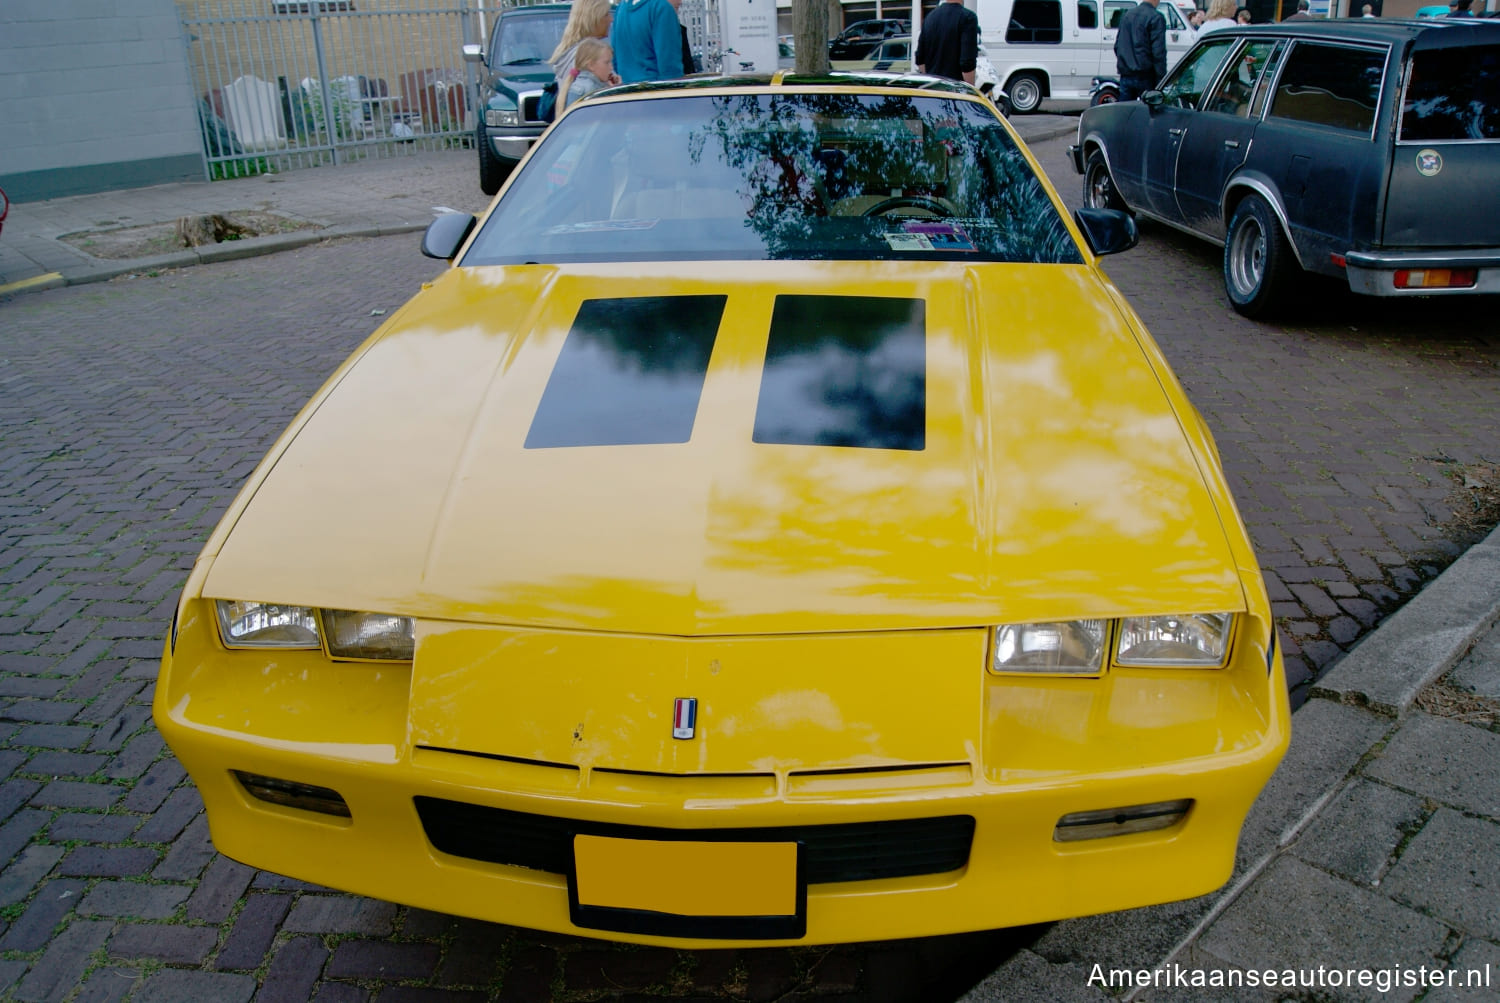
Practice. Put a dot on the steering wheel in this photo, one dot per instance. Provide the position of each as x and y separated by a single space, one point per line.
890 206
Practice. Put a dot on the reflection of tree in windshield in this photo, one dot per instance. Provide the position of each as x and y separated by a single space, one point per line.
801 155
754 176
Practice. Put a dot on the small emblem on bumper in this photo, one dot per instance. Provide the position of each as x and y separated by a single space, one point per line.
684 716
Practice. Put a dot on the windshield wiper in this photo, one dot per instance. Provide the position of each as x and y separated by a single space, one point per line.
522 62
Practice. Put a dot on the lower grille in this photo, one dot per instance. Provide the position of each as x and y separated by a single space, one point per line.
851 851
529 104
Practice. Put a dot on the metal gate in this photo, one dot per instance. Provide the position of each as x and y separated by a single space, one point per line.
284 84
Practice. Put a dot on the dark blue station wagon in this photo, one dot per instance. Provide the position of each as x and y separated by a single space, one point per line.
1367 149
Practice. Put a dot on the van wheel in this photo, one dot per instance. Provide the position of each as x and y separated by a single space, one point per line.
492 172
1025 90
1099 190
1259 270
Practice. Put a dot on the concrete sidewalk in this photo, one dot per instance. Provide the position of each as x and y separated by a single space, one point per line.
1375 848
398 194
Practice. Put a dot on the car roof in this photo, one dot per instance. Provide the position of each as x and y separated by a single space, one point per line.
1373 29
537 8
786 79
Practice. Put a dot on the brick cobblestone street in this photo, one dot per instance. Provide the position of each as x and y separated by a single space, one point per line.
1362 441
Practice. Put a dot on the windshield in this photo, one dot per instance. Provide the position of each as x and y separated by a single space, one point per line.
529 38
776 176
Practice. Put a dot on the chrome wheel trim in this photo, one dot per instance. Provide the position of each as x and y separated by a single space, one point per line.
1100 187
1025 94
1247 257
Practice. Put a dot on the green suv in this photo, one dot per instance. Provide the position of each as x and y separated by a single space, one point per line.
514 72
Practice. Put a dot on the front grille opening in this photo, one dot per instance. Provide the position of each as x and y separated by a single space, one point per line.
291 794
851 851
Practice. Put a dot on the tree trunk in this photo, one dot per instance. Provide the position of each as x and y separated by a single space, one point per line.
810 26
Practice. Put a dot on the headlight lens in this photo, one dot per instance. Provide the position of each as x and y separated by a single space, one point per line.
266 625
502 111
1192 639
1071 646
368 635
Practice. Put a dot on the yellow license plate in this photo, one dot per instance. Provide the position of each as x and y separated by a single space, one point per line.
686 877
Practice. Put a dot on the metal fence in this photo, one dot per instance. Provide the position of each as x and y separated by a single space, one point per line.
284 84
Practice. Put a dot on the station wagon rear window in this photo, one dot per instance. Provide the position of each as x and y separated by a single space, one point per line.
1453 94
752 176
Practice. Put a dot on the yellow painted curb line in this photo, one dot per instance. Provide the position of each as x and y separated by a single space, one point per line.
49 280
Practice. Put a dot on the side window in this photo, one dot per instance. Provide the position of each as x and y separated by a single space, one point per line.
894 50
1237 87
1174 19
1453 93
1267 77
1113 12
1035 21
1186 84
1330 85
1088 14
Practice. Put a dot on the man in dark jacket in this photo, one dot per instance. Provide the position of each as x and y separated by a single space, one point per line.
949 43
1141 50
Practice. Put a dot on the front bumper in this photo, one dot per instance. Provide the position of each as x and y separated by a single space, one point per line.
1373 273
1050 747
1075 154
512 144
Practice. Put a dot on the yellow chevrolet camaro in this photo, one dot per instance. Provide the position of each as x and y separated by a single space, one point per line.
773 528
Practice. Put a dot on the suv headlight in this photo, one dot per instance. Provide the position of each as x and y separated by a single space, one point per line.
501 110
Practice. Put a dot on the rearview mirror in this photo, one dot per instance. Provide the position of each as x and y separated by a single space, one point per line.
473 53
446 234
1108 231
1154 98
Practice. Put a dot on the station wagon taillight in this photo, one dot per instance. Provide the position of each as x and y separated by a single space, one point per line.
1436 278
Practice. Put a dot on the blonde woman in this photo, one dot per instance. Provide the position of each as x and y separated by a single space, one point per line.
1220 15
588 19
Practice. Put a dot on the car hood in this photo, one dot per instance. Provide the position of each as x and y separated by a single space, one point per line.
1054 479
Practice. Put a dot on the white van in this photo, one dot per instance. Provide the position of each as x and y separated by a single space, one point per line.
1055 48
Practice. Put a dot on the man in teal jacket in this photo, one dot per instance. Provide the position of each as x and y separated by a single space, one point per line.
647 40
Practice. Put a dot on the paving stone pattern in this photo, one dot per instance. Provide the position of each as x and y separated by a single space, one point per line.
1402 869
131 412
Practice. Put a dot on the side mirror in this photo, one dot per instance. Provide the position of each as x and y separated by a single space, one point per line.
1108 231
446 234
1154 99
473 53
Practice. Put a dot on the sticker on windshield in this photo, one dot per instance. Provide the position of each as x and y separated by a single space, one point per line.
942 236
1429 163
908 242
601 225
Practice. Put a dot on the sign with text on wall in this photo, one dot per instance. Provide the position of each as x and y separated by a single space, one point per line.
749 28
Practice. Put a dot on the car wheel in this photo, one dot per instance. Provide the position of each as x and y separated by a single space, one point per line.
1099 190
1104 96
1259 270
492 170
1025 90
